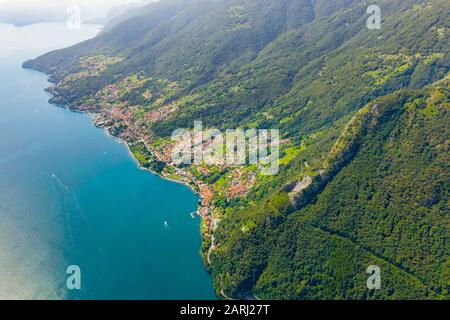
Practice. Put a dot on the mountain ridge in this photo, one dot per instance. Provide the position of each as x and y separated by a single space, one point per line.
340 94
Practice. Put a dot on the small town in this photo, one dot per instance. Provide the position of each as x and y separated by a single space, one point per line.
130 123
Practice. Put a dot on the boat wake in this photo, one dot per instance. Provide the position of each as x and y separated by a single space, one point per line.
166 225
71 205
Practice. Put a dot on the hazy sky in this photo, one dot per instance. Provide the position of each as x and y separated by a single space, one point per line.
35 3
89 8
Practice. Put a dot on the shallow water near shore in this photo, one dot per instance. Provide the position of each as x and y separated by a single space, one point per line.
71 195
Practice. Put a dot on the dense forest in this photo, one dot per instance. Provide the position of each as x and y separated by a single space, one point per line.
364 114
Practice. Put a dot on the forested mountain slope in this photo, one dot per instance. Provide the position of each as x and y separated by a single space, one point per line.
385 204
363 116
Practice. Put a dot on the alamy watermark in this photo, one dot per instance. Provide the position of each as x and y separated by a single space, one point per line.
74 17
374 20
74 280
374 280
234 147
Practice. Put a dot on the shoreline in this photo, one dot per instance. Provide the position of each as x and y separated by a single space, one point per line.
149 170
124 142
105 129
195 189
127 146
206 262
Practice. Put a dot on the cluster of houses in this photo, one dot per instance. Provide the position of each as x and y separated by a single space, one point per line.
121 120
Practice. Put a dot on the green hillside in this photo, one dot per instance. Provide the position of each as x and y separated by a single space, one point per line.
386 205
363 116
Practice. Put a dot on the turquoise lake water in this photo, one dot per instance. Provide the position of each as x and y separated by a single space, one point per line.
71 195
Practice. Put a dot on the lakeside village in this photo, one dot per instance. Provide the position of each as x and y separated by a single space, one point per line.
116 108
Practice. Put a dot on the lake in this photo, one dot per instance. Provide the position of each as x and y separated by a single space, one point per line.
70 194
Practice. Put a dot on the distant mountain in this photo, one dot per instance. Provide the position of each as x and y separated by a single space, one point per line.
363 116
21 15
381 199
119 12
25 16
